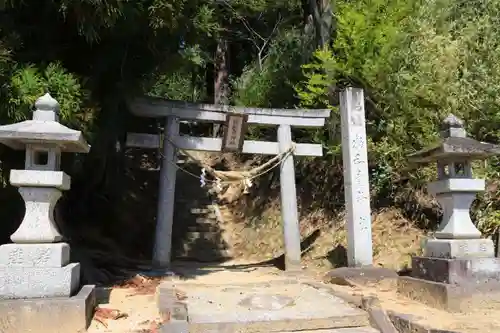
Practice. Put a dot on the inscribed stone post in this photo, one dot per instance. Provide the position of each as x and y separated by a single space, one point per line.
356 181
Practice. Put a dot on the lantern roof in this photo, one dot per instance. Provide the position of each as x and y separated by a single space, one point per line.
44 129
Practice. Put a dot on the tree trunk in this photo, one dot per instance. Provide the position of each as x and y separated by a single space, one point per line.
221 77
322 14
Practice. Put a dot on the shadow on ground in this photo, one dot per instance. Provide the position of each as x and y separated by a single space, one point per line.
194 270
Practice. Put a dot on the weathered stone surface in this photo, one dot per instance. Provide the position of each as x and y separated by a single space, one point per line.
266 302
170 305
218 309
455 196
34 255
38 282
365 329
48 315
455 147
410 324
356 177
175 326
44 128
342 330
40 178
456 271
362 275
459 248
454 298
38 225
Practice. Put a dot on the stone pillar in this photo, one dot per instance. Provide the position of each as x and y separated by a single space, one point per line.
165 217
289 212
356 180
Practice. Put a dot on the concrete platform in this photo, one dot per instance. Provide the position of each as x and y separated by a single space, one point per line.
342 330
48 315
268 307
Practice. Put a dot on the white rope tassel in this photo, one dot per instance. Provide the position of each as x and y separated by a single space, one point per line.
203 180
247 182
218 185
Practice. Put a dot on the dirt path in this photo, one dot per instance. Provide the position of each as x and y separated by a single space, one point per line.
139 310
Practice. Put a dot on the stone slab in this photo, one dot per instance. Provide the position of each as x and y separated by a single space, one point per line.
361 275
39 282
456 185
175 326
40 178
342 330
459 248
48 315
406 323
365 329
456 271
223 308
34 255
454 298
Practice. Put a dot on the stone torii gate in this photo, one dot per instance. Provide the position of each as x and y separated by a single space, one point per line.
353 138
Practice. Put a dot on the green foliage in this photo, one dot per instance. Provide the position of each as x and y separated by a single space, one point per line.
272 85
418 61
176 86
29 83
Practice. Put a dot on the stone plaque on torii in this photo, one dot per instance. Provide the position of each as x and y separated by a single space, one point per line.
354 150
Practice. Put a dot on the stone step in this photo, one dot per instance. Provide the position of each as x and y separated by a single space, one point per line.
203 227
206 220
203 256
364 329
200 211
271 307
203 238
170 328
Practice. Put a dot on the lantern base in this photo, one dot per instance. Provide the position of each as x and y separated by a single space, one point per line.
37 271
459 248
39 282
52 314
452 284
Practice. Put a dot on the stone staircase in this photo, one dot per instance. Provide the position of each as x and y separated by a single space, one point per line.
198 228
204 239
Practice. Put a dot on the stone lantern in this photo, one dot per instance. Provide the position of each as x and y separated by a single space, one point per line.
457 262
37 264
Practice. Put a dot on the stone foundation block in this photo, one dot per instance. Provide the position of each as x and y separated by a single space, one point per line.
175 326
362 275
40 178
169 306
406 323
39 282
450 297
456 271
459 248
34 255
48 315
